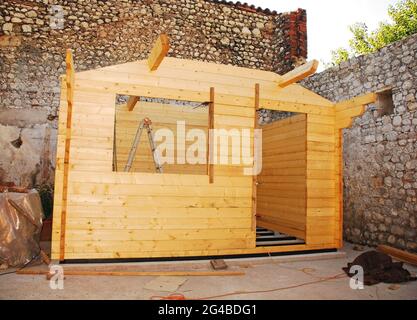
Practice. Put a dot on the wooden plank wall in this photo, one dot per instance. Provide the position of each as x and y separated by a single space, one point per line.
281 194
134 215
323 177
162 116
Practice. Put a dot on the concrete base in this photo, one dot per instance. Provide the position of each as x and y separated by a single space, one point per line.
261 274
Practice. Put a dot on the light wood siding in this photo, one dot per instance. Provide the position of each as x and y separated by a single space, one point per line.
323 170
281 192
140 215
134 215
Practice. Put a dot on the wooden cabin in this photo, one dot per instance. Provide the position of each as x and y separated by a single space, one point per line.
200 209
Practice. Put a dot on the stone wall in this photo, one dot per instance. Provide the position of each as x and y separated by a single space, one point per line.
33 39
380 152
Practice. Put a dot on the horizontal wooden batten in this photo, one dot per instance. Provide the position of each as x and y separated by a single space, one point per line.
149 201
122 224
162 235
146 246
94 211
163 191
158 179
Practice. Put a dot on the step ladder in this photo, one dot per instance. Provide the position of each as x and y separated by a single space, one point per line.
144 124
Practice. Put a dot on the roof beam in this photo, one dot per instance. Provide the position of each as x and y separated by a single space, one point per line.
298 73
356 101
288 106
131 103
159 51
347 110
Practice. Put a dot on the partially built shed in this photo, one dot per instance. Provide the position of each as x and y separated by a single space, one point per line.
204 207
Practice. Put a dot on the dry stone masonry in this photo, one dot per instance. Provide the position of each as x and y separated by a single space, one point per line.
34 36
380 151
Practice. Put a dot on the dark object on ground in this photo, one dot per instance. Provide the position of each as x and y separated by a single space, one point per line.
20 226
379 267
218 264
28 217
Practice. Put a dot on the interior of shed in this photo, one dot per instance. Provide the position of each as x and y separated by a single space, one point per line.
185 122
280 186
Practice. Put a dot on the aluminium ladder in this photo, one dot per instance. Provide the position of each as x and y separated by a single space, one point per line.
144 124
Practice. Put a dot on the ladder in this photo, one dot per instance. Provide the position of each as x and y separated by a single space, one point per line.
144 124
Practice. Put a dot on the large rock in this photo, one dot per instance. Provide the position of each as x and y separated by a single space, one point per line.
8 27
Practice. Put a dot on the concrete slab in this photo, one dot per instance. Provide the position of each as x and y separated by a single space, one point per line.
270 278
165 284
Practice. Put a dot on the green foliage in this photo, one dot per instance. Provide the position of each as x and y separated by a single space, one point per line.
404 23
338 56
46 193
362 42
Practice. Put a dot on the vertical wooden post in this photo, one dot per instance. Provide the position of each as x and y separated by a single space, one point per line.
254 177
210 153
339 186
70 100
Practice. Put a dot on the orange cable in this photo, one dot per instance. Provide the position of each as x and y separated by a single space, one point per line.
178 296
339 276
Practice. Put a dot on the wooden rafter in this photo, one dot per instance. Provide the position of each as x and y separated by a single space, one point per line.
159 51
298 74
69 79
131 103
